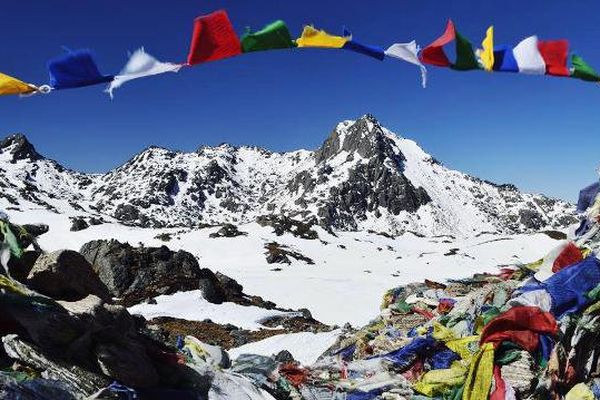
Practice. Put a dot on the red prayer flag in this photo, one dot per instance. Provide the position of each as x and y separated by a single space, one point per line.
569 256
434 53
555 53
213 39
521 325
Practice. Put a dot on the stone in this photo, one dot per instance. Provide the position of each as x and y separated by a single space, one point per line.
78 224
81 382
65 275
227 230
134 274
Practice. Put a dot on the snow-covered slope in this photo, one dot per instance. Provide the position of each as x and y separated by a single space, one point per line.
363 177
350 274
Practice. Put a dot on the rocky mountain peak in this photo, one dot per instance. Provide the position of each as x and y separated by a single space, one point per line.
365 137
362 177
20 147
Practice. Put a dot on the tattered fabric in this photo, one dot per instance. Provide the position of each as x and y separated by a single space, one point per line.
487 55
140 65
504 59
587 195
408 52
75 69
213 39
569 256
528 57
582 70
520 325
312 37
555 54
434 53
406 356
479 378
371 51
10 85
465 56
569 286
276 35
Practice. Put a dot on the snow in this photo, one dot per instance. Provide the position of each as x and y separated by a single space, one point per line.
351 270
227 184
344 285
306 347
193 307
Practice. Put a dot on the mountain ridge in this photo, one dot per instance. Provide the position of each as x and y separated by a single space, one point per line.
362 177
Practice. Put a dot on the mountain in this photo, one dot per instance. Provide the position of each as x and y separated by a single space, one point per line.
363 177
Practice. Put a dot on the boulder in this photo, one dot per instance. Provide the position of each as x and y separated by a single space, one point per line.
80 382
12 388
19 268
227 230
78 224
211 287
36 230
65 275
282 224
135 274
280 254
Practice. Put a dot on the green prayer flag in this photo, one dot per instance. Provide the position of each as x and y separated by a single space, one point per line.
273 36
583 70
10 240
465 56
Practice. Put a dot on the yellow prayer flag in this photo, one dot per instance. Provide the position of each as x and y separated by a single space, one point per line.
487 55
481 371
439 381
580 392
10 85
312 37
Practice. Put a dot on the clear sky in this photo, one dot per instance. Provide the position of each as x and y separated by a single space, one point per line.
540 133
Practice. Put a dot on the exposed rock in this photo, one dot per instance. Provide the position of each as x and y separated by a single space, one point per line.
229 336
35 389
355 180
556 235
96 221
134 274
81 382
282 224
284 356
36 230
78 224
19 268
65 275
280 254
211 287
20 148
531 219
227 230
164 237
296 323
218 288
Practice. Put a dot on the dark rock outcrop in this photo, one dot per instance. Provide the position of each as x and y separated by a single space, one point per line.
280 254
19 267
282 224
21 148
377 182
227 230
78 224
65 275
134 274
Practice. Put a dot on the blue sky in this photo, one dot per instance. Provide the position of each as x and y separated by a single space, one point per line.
540 133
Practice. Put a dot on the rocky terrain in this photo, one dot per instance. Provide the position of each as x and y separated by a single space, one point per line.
63 315
80 325
363 177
